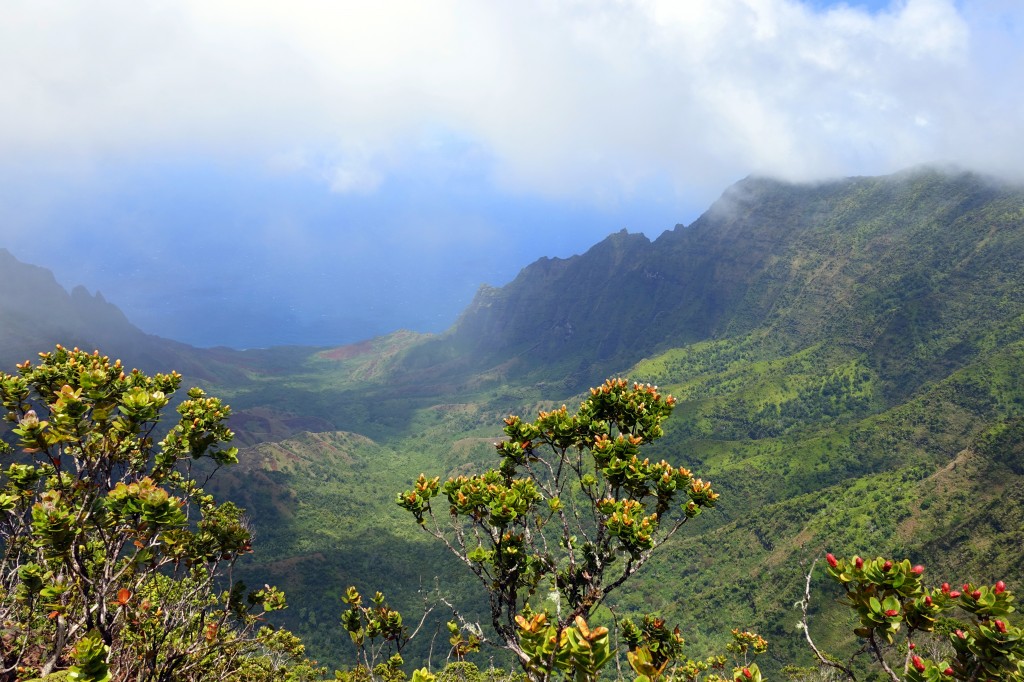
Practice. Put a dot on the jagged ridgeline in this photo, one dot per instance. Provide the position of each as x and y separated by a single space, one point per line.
892 267
848 359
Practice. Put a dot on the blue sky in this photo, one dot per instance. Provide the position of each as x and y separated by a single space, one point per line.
257 173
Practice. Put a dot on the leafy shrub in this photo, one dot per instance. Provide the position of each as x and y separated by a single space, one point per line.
570 514
116 564
908 629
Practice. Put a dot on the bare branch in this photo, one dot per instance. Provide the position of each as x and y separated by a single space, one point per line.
804 604
877 651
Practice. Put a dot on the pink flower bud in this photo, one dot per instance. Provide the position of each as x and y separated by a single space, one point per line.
1000 587
747 674
917 662
892 612
831 560
954 594
1001 626
945 588
966 587
917 570
960 634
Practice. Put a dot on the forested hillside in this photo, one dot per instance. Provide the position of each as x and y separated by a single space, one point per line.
847 359
846 355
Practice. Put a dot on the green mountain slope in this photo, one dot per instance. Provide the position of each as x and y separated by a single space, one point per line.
875 261
842 351
929 478
848 358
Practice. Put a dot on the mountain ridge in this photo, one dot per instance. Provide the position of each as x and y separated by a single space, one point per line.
37 313
745 260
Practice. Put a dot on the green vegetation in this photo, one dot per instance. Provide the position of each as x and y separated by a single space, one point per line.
904 628
847 359
571 514
116 564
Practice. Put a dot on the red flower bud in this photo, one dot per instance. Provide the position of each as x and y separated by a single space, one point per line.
1000 587
831 560
918 663
917 570
945 588
947 671
960 634
966 587
928 600
954 594
887 565
976 594
858 562
912 646
1001 626
747 674
892 612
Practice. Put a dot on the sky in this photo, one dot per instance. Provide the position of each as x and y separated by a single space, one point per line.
254 173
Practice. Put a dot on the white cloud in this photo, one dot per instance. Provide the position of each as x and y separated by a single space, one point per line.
578 98
346 179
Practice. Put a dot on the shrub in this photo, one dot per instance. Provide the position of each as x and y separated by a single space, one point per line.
116 564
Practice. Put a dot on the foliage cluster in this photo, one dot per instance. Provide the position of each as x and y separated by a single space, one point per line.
908 632
116 564
571 513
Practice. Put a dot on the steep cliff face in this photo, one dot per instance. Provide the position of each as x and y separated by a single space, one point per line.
559 305
876 263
